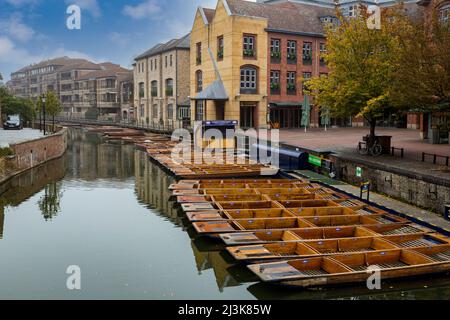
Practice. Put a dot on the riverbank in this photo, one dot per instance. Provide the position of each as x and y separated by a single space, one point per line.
33 153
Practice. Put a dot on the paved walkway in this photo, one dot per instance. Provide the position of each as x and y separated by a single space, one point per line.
8 137
345 139
413 212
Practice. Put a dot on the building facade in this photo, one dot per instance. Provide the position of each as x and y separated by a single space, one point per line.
161 84
80 84
229 66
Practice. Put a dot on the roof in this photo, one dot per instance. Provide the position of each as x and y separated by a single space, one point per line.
284 16
208 14
182 43
215 91
113 70
60 61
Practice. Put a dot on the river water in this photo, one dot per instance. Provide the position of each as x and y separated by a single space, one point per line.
105 208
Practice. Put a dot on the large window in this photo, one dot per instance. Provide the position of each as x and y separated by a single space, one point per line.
199 81
199 113
275 82
220 48
155 111
154 86
292 51
305 77
323 51
307 52
249 79
291 80
249 47
198 57
170 111
275 51
183 112
169 87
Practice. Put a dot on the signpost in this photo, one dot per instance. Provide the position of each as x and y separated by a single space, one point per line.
365 188
359 172
315 161
306 110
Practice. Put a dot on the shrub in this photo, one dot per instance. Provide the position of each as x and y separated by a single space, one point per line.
6 151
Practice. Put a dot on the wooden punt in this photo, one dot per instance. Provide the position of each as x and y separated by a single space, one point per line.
308 248
224 205
348 268
307 203
217 227
396 229
321 211
346 220
226 226
221 198
214 215
269 236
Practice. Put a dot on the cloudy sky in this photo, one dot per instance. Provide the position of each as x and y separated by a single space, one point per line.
114 30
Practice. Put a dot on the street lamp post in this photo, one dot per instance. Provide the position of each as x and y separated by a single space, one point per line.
43 109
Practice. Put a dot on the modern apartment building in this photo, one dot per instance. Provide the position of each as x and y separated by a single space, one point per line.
79 83
161 84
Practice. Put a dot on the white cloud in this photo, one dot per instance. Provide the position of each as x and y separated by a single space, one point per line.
18 3
91 6
119 38
10 54
143 10
15 28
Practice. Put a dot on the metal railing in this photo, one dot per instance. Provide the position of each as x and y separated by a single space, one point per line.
152 127
435 157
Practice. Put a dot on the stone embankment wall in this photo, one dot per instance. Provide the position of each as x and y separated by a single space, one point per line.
420 190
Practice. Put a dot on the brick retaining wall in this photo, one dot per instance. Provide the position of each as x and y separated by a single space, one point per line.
32 153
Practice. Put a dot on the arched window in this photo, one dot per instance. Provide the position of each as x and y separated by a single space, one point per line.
199 80
169 87
249 79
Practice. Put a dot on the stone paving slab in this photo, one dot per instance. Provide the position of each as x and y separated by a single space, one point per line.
8 137
408 210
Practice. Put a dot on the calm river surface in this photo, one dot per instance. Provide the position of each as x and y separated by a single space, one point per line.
105 208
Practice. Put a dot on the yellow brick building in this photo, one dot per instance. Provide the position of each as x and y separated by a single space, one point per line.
228 67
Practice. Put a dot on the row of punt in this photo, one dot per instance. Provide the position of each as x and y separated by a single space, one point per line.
299 233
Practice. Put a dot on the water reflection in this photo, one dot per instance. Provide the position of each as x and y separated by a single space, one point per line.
49 203
112 197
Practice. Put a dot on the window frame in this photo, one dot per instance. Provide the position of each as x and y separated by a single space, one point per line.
247 72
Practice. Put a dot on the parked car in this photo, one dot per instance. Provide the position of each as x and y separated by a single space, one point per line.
13 122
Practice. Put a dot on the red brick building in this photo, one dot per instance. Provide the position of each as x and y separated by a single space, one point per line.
295 44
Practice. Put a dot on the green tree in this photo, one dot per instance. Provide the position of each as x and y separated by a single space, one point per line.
362 66
422 80
49 203
14 105
52 106
1 78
